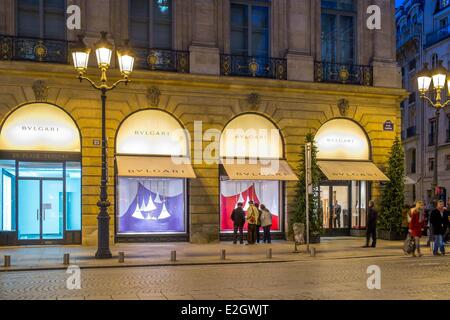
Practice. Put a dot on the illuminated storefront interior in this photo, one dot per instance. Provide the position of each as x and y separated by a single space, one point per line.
153 165
344 158
40 182
252 169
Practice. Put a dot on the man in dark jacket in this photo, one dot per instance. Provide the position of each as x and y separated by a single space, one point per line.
372 218
238 217
439 224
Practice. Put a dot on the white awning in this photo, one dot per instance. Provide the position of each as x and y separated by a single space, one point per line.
251 169
351 171
155 167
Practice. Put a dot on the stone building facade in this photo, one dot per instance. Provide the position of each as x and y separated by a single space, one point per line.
298 99
423 37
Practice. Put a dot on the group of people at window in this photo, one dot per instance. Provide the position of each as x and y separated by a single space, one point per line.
256 216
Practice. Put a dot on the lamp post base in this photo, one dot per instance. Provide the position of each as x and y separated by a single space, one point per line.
103 251
103 254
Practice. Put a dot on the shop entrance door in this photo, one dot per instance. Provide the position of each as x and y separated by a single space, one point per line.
336 212
40 210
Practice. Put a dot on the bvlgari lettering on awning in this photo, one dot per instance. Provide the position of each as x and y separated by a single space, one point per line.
156 171
351 170
155 167
253 169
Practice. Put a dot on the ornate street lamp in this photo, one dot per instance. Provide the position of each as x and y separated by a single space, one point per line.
103 51
438 77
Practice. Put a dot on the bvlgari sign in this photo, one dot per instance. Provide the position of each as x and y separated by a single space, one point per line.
40 127
342 139
152 132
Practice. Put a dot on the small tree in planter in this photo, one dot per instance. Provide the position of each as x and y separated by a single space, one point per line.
393 198
299 213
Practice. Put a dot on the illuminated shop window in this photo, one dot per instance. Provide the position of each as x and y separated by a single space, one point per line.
7 195
260 192
151 206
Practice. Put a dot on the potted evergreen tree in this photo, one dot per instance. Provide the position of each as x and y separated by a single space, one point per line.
392 197
299 212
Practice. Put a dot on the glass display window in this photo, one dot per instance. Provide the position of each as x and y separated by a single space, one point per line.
261 192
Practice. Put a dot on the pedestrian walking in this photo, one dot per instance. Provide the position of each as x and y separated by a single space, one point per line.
238 218
416 226
439 223
371 232
266 223
252 220
258 223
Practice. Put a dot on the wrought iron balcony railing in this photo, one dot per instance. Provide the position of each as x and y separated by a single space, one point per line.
34 49
162 60
248 66
343 73
437 36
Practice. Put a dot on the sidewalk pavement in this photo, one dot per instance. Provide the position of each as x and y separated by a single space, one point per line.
159 254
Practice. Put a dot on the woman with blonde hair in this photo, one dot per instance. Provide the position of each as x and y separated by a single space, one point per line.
416 226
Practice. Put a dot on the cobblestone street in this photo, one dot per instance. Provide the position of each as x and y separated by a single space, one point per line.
401 278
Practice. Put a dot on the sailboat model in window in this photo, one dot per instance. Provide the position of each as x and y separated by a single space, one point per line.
164 213
157 198
137 212
150 205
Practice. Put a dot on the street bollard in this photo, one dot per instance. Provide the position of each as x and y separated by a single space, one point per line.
173 256
312 252
66 259
7 262
269 253
223 254
121 257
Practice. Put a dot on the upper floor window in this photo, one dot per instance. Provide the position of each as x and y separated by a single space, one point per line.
41 19
150 23
250 28
338 31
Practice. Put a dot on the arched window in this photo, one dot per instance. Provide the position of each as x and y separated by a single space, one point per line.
250 145
153 165
40 175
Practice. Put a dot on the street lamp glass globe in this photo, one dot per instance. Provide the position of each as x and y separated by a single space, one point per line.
126 64
126 59
439 80
424 83
439 76
104 52
80 55
80 60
